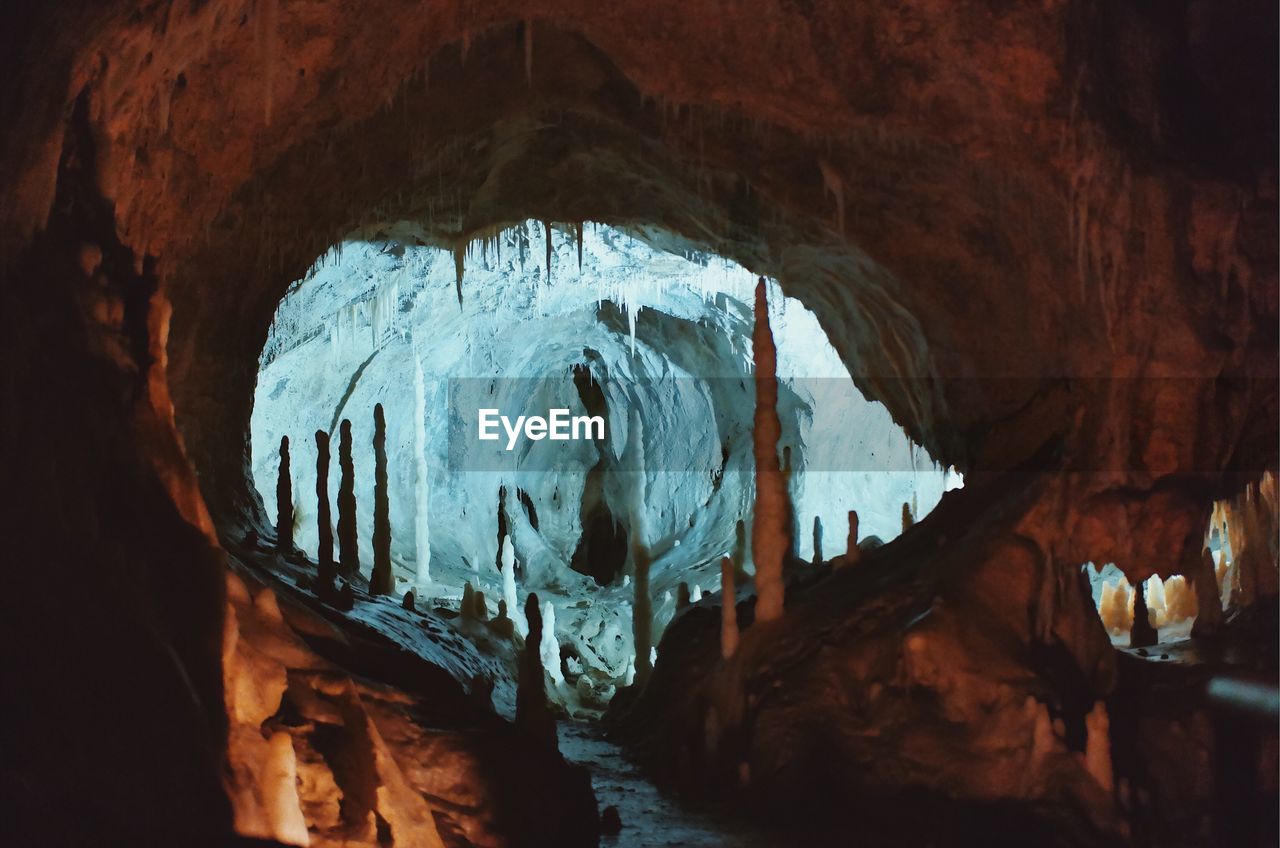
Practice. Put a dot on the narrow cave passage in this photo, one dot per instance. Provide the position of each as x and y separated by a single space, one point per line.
597 322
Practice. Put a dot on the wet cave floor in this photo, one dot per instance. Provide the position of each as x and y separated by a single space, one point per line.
649 817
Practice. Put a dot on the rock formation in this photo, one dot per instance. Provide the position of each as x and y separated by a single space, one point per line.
852 552
348 549
770 538
1142 633
642 605
324 522
728 610
382 581
533 715
284 502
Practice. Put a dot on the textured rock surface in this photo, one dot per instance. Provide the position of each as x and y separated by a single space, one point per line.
417 763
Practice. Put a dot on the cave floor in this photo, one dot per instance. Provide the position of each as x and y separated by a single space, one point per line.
649 817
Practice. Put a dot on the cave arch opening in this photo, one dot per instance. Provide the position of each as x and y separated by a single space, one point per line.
626 325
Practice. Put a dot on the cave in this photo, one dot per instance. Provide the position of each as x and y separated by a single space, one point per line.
555 424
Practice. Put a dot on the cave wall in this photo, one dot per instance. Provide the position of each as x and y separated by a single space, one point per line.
1081 184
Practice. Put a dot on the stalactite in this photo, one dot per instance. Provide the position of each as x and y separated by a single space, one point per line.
324 522
382 581
422 531
769 540
546 225
458 261
642 605
1141 634
348 552
578 230
817 540
533 716
728 610
284 502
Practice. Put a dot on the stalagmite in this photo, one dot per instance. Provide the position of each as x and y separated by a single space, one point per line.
532 713
1115 607
479 606
1097 751
346 599
696 594
324 521
817 540
1141 634
682 595
382 581
348 552
907 518
852 552
502 623
422 528
549 647
467 607
1204 583
284 502
769 540
629 676
642 606
728 610
509 586
408 601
